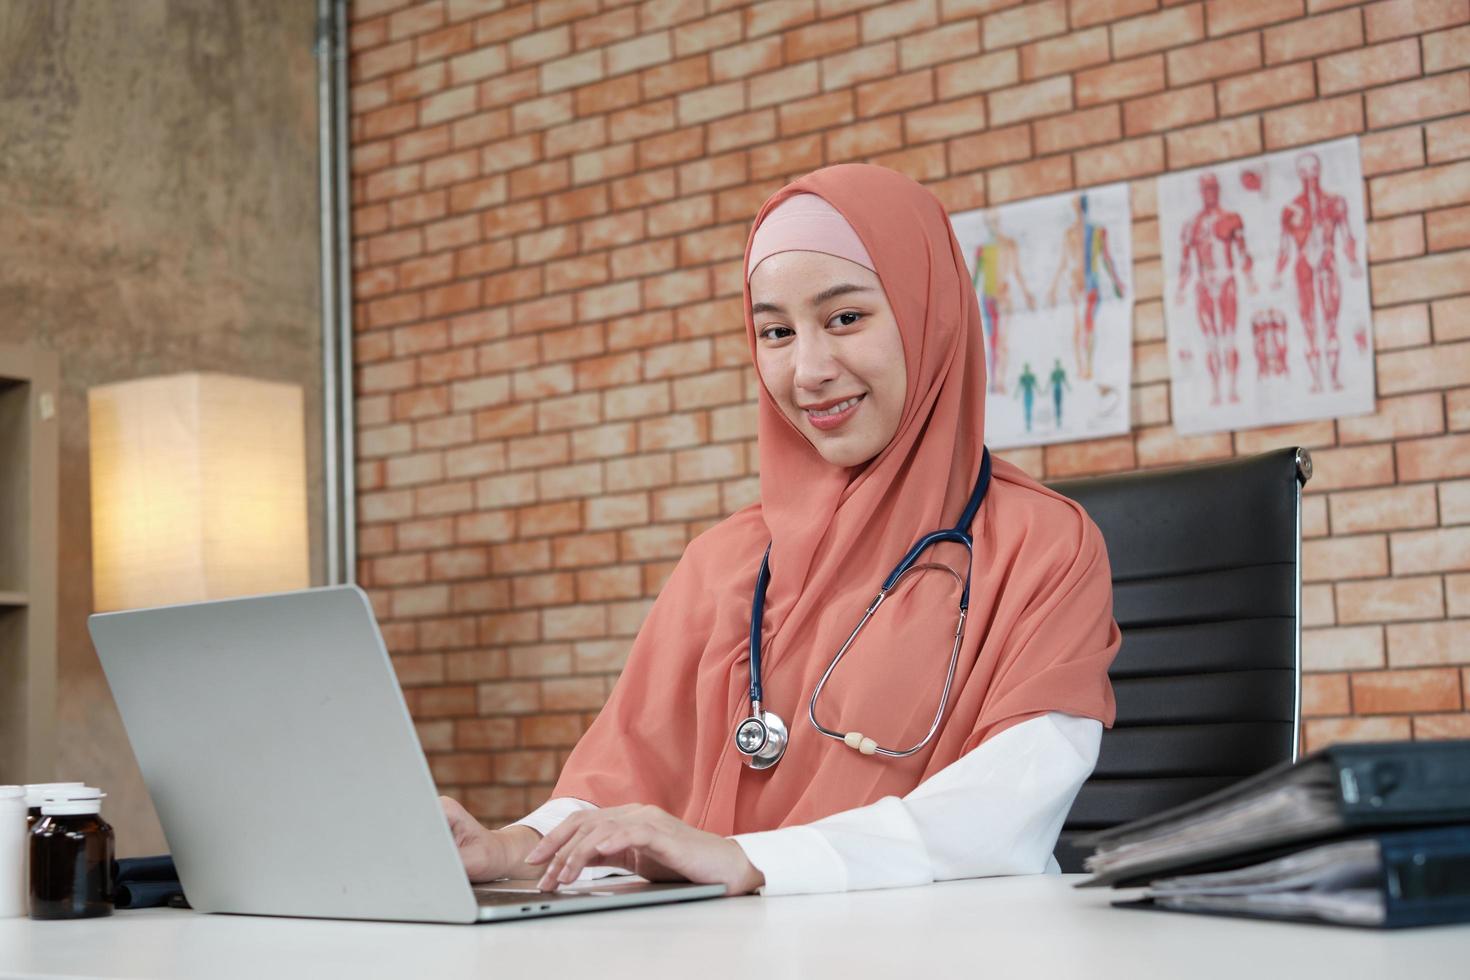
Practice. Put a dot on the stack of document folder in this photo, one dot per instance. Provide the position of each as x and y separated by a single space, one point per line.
1368 835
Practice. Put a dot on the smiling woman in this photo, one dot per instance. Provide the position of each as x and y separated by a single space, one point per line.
866 334
834 363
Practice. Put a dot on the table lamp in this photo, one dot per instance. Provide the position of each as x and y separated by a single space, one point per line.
198 489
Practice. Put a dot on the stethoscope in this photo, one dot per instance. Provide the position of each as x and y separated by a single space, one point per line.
762 736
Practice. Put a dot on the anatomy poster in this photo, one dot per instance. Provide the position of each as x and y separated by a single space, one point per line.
1054 277
1264 289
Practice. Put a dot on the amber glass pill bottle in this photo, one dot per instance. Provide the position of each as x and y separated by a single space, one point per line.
71 856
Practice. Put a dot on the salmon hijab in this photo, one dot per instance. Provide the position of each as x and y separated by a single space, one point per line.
1040 633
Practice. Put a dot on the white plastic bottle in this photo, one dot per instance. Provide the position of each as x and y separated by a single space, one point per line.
13 842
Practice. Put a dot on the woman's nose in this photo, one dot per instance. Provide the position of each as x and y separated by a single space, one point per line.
815 364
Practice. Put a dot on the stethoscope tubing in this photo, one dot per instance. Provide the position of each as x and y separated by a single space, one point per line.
958 534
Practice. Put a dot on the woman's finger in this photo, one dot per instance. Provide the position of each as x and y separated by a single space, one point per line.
552 872
583 851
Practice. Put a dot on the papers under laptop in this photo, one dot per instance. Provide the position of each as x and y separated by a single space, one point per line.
285 769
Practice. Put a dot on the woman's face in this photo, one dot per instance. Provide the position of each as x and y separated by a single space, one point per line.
828 350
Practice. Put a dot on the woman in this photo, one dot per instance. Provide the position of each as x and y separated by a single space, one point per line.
866 334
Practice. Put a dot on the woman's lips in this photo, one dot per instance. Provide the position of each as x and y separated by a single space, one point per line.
828 422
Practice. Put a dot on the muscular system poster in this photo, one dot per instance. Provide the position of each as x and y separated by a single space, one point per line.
1265 292
1054 280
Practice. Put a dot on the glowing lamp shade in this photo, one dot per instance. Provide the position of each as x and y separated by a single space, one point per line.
198 489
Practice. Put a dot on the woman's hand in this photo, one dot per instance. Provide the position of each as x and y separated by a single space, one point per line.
646 841
489 854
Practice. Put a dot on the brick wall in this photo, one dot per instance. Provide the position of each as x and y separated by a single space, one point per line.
551 202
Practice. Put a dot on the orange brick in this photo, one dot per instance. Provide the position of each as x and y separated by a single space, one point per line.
440 702
1457 595
1390 599
1422 368
1342 648
1314 122
1170 110
989 71
1364 556
1162 446
846 70
1311 434
1361 466
1368 67
1451 319
1043 98
1120 80
573 693
1224 140
1425 278
1317 605
1448 229
1442 550
1448 139
1044 176
1155 32
1442 726
1322 732
989 148
1025 23
1264 89
1086 12
1435 643
1313 36
887 20
1396 238
1325 695
1387 692
1229 16
1446 49
945 120
1440 95
1396 18
1401 326
1084 128
1390 509
1395 149
1080 49
948 43
1121 161
1214 59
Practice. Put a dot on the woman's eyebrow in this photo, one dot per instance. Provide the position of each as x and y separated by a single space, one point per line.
817 300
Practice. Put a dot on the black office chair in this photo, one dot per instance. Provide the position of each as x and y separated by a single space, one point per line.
1206 565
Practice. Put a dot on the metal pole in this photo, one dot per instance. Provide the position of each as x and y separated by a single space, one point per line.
348 481
325 150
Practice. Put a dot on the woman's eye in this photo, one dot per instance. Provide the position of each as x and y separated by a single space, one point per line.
775 333
847 323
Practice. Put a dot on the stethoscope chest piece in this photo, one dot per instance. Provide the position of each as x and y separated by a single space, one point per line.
762 739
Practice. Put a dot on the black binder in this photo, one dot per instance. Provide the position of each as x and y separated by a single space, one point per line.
1332 793
1410 878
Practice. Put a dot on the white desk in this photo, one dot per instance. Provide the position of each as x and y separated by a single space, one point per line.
992 928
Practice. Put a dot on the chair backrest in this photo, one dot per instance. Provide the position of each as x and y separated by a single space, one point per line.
1206 564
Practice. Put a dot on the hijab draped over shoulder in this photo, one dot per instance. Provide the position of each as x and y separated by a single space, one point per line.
1040 633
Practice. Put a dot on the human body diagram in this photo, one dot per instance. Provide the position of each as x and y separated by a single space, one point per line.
1212 245
1218 227
1085 255
996 265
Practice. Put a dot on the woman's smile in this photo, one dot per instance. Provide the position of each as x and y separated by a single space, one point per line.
831 417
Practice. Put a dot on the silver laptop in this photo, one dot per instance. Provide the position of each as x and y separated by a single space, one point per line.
285 769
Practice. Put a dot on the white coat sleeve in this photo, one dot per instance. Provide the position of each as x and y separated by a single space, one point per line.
995 811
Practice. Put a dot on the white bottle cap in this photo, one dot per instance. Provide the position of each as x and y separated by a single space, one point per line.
70 800
36 792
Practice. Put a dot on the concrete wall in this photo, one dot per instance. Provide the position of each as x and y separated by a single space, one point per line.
158 213
552 202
